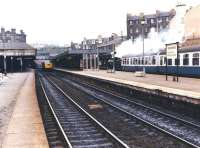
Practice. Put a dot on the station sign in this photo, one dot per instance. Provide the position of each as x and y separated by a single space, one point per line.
172 53
172 50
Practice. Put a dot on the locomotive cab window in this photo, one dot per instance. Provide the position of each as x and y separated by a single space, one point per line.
195 59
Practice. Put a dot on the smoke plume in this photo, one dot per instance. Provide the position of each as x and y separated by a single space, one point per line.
156 40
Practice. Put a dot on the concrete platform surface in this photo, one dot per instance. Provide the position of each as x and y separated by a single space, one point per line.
25 128
189 87
9 88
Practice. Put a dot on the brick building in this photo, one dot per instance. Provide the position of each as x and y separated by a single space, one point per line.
12 36
159 21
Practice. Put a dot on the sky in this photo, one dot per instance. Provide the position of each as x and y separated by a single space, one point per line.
62 21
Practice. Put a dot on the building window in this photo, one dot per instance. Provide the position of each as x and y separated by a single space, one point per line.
136 30
146 29
167 19
152 21
195 59
186 59
131 22
131 31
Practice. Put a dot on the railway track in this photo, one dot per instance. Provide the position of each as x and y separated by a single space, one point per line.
128 100
79 128
53 133
186 131
124 115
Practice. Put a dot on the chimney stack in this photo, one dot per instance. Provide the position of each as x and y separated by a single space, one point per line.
13 30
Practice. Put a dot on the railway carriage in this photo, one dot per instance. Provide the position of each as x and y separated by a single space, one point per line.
188 61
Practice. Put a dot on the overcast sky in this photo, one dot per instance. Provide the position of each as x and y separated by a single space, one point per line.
63 21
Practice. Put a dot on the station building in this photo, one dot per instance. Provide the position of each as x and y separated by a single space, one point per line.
158 21
90 53
15 53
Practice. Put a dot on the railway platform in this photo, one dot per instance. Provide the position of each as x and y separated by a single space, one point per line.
187 89
25 127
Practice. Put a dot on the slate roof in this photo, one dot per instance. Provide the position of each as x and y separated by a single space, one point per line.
161 14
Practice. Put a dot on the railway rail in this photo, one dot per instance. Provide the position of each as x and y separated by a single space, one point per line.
186 131
53 133
170 124
119 109
79 128
128 100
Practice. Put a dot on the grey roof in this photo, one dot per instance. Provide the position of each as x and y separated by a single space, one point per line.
161 14
15 46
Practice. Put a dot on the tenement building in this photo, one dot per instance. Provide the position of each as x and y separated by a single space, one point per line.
12 36
138 25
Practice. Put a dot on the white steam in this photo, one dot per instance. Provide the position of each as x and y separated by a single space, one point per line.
156 40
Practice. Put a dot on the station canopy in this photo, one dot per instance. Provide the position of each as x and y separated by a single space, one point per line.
16 49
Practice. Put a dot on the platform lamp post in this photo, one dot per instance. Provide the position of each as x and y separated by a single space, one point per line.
11 64
113 52
143 22
99 41
84 54
5 64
